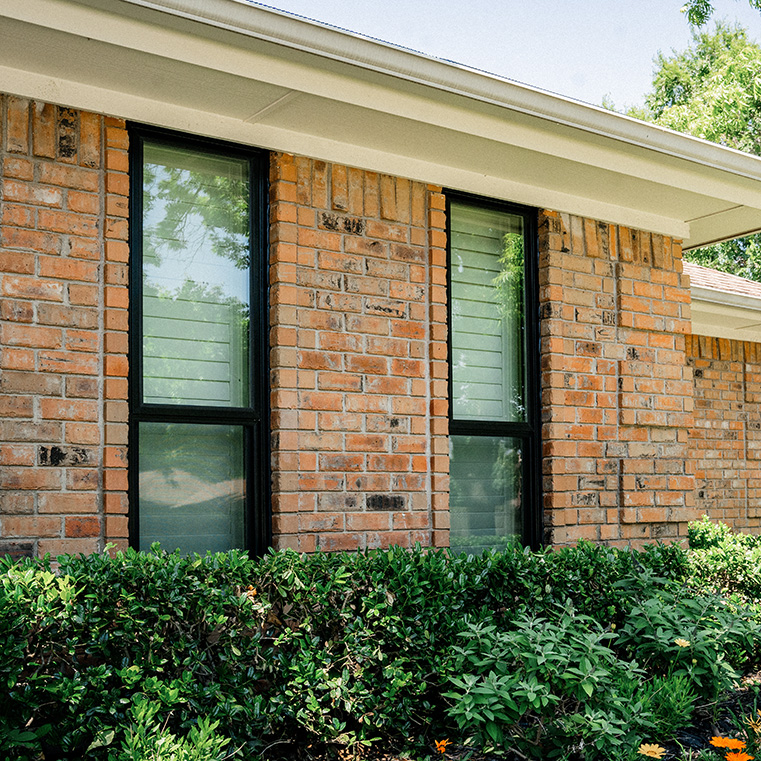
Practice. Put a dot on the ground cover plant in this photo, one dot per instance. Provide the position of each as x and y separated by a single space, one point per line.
579 653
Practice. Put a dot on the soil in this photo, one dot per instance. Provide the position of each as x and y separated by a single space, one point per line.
716 719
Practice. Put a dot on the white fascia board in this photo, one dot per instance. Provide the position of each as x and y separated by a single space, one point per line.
733 222
710 317
127 106
722 298
725 315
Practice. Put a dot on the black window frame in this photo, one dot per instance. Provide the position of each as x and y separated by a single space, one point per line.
530 430
254 419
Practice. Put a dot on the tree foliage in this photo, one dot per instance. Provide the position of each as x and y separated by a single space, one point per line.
193 209
712 90
699 12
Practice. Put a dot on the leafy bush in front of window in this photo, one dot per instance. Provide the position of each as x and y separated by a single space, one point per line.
81 647
159 656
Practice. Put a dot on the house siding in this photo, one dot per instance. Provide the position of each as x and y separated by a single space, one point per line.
358 360
725 435
63 281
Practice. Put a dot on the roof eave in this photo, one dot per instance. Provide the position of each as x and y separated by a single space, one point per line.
250 74
311 36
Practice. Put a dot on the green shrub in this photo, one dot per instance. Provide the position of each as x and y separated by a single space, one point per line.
365 630
147 738
333 652
599 581
704 637
667 701
725 561
704 534
81 646
329 649
546 689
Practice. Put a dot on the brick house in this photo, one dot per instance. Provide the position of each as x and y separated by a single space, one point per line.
267 282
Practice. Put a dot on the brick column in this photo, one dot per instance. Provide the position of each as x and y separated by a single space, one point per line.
56 210
439 354
116 324
351 371
617 393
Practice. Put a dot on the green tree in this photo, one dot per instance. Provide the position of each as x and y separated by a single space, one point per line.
713 90
699 12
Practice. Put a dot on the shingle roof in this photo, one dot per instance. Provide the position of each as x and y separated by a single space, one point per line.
705 277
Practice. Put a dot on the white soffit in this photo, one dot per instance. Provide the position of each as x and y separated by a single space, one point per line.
232 70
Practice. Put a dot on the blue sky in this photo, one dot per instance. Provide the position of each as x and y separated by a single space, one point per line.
584 49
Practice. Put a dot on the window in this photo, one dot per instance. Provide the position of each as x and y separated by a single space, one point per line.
494 375
198 354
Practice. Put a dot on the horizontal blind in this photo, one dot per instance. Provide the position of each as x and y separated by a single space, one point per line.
193 350
487 314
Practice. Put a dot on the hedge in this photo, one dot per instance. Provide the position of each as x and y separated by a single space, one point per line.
554 654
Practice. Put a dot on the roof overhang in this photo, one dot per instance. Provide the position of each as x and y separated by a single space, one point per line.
236 71
725 315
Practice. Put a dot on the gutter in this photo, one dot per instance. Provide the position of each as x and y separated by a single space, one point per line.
714 296
308 36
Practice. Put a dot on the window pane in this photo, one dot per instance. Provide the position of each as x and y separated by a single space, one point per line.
486 492
192 486
487 314
195 277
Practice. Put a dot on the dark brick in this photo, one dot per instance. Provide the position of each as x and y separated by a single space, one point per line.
389 502
16 550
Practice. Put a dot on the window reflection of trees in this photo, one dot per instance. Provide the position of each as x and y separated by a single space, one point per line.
184 198
509 295
195 236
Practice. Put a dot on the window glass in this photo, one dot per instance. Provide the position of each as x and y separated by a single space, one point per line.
198 364
487 303
494 421
485 493
196 299
192 486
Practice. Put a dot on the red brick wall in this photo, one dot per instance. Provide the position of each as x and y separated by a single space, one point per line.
358 358
725 437
63 340
617 392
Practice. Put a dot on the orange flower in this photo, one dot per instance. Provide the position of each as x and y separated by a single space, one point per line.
441 745
739 756
727 742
